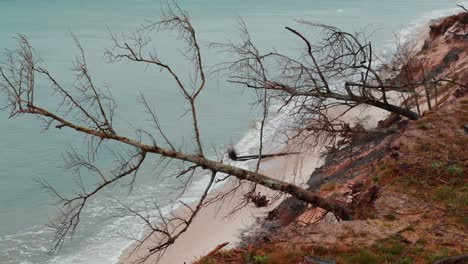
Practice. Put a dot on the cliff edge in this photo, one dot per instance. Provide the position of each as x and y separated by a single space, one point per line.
408 189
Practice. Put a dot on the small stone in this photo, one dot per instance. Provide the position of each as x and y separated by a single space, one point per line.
316 260
396 147
458 93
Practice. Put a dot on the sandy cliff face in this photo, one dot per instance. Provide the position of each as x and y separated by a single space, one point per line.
444 53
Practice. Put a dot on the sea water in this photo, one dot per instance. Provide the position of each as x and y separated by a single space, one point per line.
27 152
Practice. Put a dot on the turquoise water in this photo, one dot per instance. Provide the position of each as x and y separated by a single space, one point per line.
27 153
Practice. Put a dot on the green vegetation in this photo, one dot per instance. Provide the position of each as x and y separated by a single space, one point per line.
423 127
423 145
455 170
432 257
389 249
260 259
362 256
390 217
452 197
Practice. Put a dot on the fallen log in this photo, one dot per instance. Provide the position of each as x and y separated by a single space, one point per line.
217 248
233 155
453 260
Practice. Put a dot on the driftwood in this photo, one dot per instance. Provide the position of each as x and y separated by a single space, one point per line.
453 260
233 155
217 248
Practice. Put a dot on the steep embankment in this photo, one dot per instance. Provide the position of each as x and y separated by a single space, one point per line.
408 189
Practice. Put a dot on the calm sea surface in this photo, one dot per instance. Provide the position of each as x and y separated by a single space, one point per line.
28 153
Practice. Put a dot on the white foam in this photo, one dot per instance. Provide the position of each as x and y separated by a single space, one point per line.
417 26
